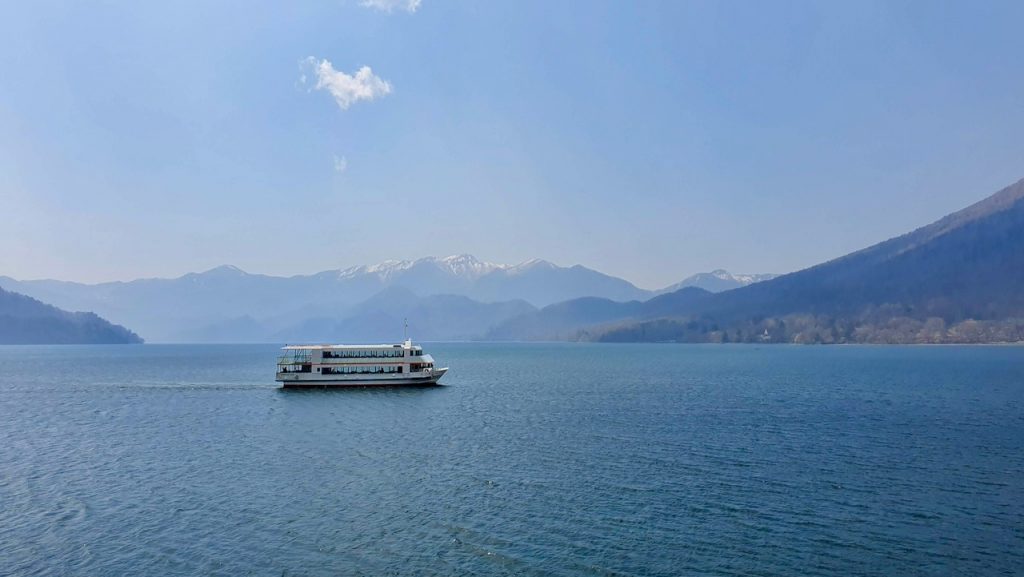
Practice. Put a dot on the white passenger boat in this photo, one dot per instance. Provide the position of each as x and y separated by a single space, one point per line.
356 366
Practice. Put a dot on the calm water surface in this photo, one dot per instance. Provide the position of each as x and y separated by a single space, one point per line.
547 459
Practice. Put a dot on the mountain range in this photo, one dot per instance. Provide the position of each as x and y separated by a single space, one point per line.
959 279
455 297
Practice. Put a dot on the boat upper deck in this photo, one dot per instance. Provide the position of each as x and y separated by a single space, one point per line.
343 347
331 354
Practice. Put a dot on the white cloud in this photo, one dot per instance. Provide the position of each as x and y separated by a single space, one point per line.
391 5
340 163
346 89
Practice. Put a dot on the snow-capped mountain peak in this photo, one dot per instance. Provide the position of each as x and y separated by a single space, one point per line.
464 266
530 264
222 271
753 278
225 269
383 269
718 280
467 265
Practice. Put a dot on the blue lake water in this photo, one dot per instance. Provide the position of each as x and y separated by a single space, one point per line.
536 459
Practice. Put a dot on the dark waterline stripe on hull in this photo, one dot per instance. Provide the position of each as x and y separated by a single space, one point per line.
337 385
406 382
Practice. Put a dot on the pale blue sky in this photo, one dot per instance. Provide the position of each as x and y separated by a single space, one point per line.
647 140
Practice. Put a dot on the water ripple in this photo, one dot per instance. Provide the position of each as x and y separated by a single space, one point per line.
576 460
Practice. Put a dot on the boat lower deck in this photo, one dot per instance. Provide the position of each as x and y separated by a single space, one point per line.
356 385
306 380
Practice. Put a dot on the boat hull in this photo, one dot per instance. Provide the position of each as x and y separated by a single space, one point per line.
296 381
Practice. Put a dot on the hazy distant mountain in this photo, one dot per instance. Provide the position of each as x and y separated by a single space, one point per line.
25 320
381 318
164 309
960 279
718 281
228 304
574 319
563 320
538 282
541 283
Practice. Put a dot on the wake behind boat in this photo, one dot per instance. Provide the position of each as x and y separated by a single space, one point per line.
356 366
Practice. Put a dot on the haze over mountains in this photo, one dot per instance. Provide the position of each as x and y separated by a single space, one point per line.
455 297
960 279
24 320
717 281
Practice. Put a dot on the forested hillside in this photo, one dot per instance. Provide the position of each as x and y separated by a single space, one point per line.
24 320
960 279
